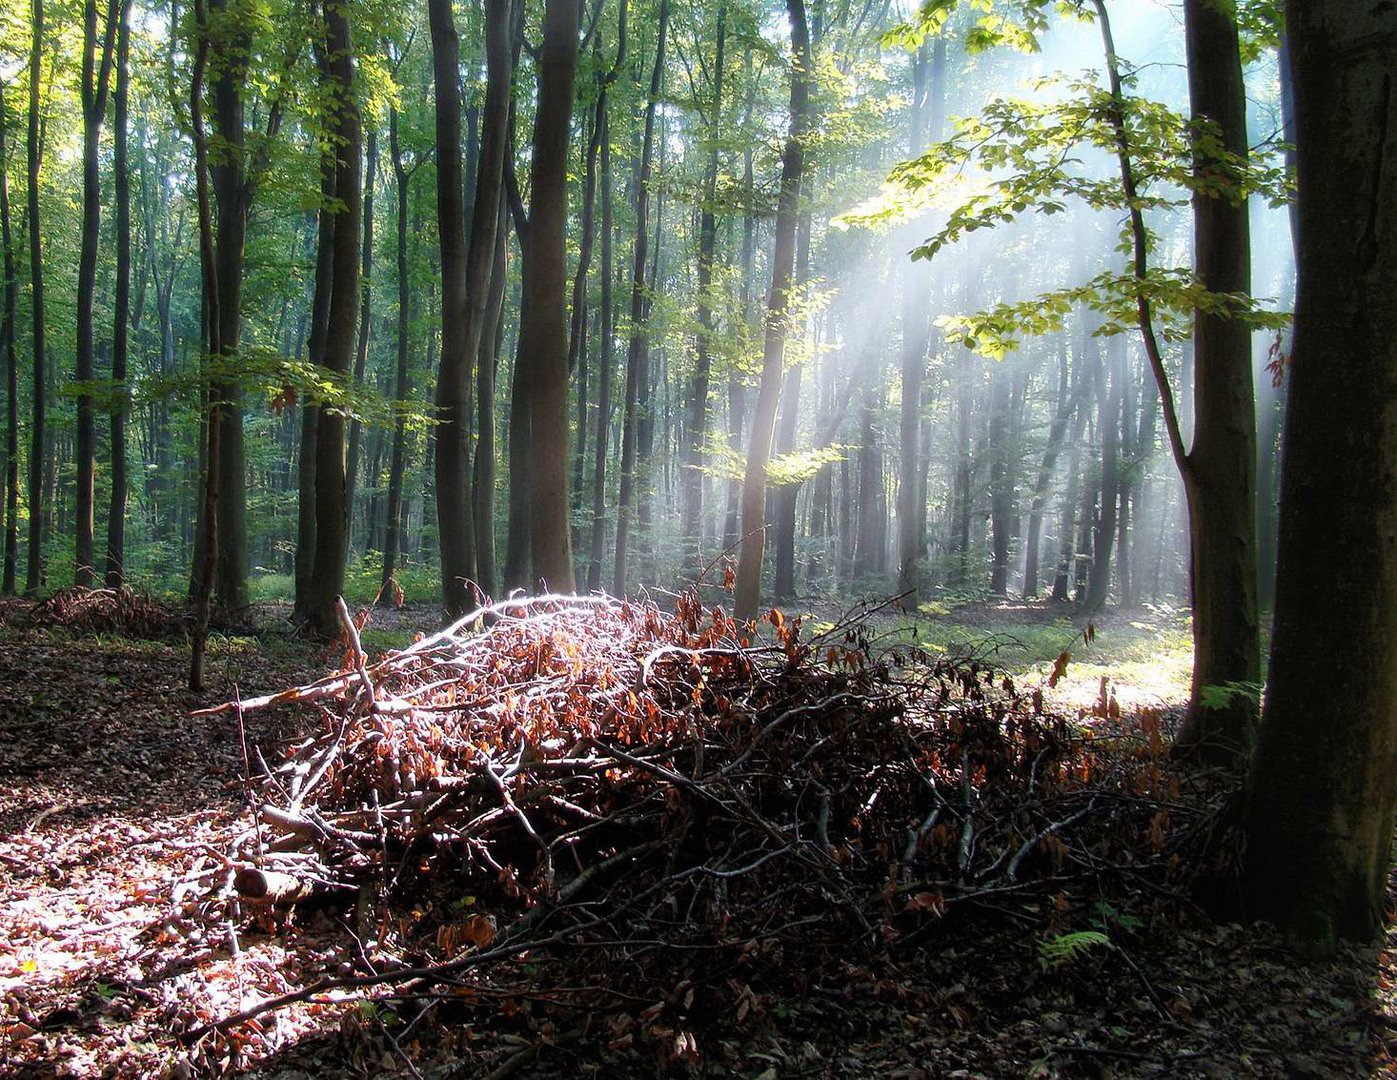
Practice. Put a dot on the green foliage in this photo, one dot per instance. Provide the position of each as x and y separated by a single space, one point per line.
1062 949
1043 154
1230 694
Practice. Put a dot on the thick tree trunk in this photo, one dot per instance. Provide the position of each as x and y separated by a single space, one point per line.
121 317
331 512
543 332
232 193
747 595
636 374
1323 784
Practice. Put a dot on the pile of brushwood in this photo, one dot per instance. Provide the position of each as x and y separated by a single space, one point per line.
81 610
581 793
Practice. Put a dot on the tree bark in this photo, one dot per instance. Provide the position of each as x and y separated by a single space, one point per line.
636 373
402 380
1221 479
121 318
608 316
331 512
747 595
38 442
96 78
232 193
543 335
1323 783
10 332
361 353
486 367
691 525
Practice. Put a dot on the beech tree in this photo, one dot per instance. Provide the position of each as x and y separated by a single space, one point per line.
336 62
1322 788
747 594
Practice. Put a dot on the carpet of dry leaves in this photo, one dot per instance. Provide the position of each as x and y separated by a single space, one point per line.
115 805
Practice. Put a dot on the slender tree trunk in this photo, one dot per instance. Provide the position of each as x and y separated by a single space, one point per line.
911 500
310 413
486 367
11 331
1221 479
402 381
1067 404
1219 470
1001 484
1104 535
116 511
95 81
691 525
604 370
465 280
212 334
331 511
747 596
361 354
38 440
636 374
784 497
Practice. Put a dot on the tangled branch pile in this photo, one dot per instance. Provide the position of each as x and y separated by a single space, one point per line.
82 610
584 778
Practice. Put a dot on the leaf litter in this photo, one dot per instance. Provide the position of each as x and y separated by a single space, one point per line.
567 837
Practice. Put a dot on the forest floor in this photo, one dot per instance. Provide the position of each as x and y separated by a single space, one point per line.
112 799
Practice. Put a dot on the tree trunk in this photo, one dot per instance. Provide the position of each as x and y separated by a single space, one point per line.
11 331
1221 479
361 354
1068 403
451 432
487 364
691 483
911 500
310 414
1323 784
96 77
207 552
121 318
1104 534
636 373
233 195
1001 484
543 332
331 512
747 595
402 379
38 443
608 315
